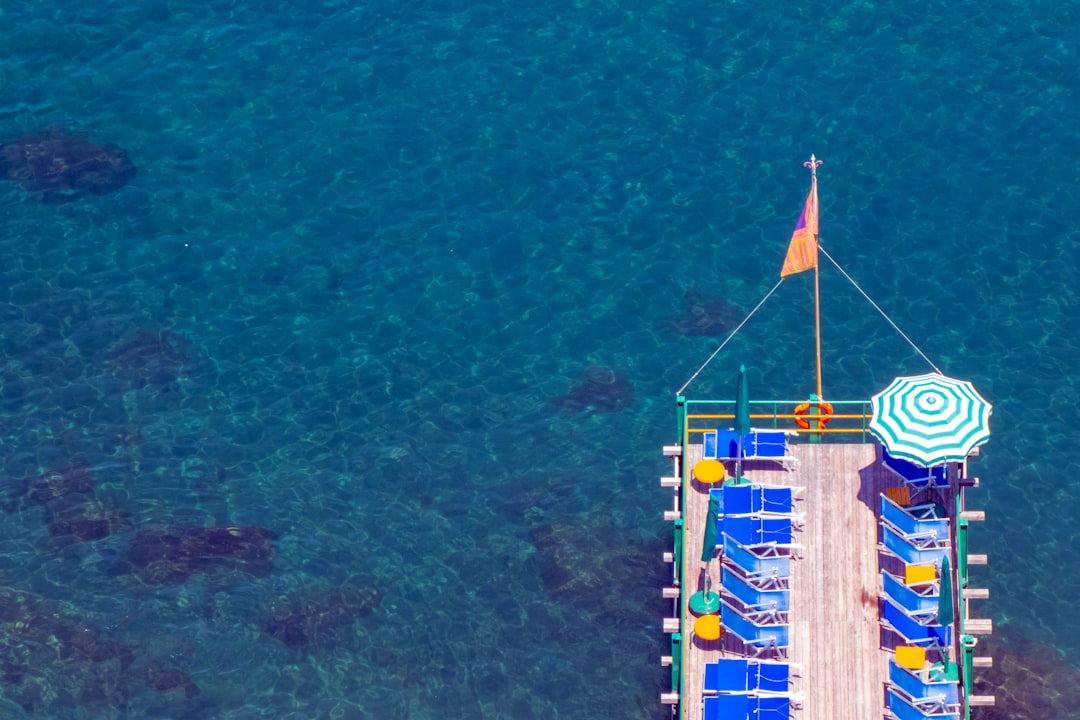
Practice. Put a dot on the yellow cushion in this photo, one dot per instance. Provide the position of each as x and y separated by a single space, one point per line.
707 627
709 471
899 495
919 574
913 658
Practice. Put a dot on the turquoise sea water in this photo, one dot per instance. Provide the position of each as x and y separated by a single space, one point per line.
370 249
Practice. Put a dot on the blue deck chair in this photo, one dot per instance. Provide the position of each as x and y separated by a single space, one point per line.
900 709
744 707
755 598
763 567
912 474
777 500
756 445
772 677
771 445
746 677
759 530
726 707
758 500
922 690
920 521
724 445
728 675
917 600
910 553
911 630
762 636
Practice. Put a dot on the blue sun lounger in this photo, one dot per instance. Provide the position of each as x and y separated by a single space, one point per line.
915 475
744 707
765 567
918 521
915 630
728 675
760 630
758 500
759 530
753 598
756 445
926 690
915 599
913 551
901 709
743 676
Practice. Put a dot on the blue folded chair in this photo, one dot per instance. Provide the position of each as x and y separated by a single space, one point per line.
925 553
900 709
760 630
920 521
726 707
765 567
759 530
728 675
751 597
926 690
915 475
915 631
724 445
908 597
745 707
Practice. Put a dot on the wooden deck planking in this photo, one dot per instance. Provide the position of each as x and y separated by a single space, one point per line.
836 636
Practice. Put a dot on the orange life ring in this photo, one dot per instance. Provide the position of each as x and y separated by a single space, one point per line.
825 410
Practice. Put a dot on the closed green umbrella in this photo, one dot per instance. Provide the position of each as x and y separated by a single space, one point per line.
742 417
945 614
705 600
945 604
708 545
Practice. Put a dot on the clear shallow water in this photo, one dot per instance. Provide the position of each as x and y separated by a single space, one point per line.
373 244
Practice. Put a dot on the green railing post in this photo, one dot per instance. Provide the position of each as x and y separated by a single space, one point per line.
676 663
680 415
678 550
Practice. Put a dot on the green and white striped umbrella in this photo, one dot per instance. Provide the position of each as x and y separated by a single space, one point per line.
930 419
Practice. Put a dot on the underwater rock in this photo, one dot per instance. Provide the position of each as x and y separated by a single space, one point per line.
706 315
601 390
151 358
166 679
56 166
86 519
166 558
46 487
592 565
52 660
316 617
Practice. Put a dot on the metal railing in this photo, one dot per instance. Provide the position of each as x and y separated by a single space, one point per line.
848 422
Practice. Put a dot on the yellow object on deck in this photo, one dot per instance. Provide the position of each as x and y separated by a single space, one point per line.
911 657
919 574
899 495
708 627
709 471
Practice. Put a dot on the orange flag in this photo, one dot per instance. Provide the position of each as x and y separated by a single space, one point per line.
802 252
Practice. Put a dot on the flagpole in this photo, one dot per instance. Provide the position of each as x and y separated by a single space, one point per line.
813 165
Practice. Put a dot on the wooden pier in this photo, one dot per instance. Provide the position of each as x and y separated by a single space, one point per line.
836 637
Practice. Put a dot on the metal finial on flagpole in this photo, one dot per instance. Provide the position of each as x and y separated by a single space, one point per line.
813 164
